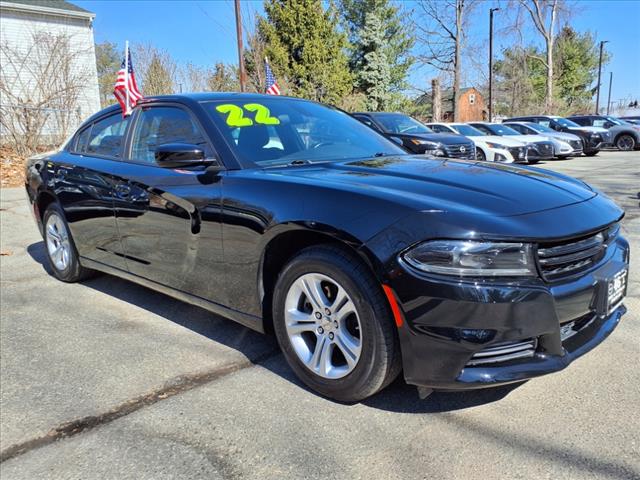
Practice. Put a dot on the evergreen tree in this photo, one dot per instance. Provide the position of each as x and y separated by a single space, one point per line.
305 47
576 56
157 78
108 60
381 43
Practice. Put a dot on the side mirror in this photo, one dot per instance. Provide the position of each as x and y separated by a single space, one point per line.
398 140
175 155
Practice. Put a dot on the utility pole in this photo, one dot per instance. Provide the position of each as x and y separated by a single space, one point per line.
243 77
609 99
599 73
491 10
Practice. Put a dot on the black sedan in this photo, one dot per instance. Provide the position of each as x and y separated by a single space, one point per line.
289 216
416 137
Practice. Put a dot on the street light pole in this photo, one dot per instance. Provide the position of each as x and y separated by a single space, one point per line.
491 10
243 78
599 74
609 99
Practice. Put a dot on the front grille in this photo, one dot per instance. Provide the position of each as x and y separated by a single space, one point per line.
503 352
541 149
466 150
518 153
562 259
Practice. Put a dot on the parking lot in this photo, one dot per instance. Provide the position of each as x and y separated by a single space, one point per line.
107 379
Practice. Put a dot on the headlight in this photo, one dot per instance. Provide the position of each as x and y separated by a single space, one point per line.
496 145
426 143
472 259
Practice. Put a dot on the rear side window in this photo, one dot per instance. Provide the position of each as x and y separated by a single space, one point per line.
81 140
585 121
103 138
161 125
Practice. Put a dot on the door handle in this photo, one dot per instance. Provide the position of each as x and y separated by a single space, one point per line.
123 190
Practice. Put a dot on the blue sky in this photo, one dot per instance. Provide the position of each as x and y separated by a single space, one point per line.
203 32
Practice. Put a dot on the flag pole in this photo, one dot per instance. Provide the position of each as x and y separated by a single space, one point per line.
126 77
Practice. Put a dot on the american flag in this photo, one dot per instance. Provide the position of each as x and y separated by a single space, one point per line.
272 85
126 81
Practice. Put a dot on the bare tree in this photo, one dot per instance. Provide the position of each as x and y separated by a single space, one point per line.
544 14
41 84
155 69
441 29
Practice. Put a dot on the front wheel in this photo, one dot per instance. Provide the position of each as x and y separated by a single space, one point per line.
334 325
625 143
591 153
480 155
61 251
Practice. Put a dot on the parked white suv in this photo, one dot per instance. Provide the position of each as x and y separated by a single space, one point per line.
491 148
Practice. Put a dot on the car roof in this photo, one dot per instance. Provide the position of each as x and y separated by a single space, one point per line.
377 114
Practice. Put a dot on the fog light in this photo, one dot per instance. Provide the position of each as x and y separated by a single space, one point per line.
477 336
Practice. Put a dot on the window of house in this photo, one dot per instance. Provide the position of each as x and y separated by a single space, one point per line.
472 98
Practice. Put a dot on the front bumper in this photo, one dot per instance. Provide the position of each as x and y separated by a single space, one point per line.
448 322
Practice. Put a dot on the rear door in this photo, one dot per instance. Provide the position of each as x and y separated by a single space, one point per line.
85 178
169 218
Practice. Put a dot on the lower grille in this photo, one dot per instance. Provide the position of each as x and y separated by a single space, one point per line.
503 352
466 150
562 259
576 144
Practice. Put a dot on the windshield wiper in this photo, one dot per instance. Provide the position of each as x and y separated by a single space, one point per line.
300 162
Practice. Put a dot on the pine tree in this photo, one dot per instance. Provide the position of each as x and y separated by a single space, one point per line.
374 76
304 46
576 57
378 36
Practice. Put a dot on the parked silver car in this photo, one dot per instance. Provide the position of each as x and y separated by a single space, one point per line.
626 136
564 144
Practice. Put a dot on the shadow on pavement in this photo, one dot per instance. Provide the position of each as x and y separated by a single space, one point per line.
397 397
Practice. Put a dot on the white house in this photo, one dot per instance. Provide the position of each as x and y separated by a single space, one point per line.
23 26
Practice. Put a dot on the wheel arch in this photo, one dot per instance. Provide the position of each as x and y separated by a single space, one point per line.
42 201
287 242
632 134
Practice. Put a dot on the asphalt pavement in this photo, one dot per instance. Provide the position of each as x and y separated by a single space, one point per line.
107 379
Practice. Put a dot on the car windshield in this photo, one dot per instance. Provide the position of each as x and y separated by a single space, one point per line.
282 131
539 128
563 122
502 130
468 130
395 123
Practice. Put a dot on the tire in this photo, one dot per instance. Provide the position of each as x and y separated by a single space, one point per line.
480 156
533 162
316 349
61 251
625 142
591 153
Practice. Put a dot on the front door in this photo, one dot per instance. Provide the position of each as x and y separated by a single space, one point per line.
169 219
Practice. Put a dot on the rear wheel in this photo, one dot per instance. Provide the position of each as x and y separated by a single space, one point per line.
61 251
334 325
480 155
625 142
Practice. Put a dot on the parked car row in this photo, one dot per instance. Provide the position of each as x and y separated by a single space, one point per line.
527 139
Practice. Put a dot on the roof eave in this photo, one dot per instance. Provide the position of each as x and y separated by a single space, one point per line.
46 10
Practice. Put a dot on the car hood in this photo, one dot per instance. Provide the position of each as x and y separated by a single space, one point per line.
445 185
444 138
564 137
506 141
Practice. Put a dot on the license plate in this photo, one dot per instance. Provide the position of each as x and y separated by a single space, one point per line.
616 289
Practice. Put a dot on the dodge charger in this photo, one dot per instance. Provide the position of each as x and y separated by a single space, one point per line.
365 261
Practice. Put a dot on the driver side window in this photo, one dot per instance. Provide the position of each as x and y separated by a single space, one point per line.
161 125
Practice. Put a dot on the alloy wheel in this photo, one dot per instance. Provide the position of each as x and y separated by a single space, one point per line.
625 142
58 245
323 326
